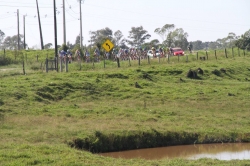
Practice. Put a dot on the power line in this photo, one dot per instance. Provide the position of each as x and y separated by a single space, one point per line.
24 6
52 23
7 17
71 7
125 21
18 2
72 16
164 16
10 28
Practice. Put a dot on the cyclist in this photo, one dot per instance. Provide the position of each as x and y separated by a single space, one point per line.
69 53
78 55
96 54
154 52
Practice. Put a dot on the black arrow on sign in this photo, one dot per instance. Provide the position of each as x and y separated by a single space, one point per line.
107 45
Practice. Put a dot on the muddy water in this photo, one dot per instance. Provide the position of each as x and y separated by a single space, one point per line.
226 151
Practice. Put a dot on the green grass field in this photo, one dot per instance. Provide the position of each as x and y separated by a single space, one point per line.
55 118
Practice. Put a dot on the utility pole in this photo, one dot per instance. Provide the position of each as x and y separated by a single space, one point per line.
18 39
55 29
40 29
80 23
64 24
24 44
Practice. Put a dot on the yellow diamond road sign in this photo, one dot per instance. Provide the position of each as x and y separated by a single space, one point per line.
107 45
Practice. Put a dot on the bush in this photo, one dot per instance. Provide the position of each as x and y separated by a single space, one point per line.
4 60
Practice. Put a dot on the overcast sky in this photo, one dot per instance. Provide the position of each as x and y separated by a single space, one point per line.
205 20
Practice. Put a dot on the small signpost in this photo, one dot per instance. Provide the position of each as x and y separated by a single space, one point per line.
108 45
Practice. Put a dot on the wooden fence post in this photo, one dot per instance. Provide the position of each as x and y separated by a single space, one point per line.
226 52
129 61
197 56
139 61
168 59
104 62
26 57
238 51
23 68
244 53
186 58
61 69
4 53
118 62
148 60
215 54
207 55
66 64
47 63
56 64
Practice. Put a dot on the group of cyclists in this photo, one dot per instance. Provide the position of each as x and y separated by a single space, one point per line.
122 54
66 54
136 53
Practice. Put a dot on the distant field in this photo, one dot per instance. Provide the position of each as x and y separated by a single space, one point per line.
55 118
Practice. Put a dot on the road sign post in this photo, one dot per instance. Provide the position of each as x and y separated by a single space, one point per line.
107 45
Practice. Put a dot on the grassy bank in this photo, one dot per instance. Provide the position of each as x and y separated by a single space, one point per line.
43 115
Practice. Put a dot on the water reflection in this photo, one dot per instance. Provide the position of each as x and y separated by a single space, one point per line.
224 151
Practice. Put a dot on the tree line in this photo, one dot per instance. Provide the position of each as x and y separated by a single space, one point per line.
170 35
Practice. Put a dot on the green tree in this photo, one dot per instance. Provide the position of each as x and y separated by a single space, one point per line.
100 36
197 45
12 42
178 38
138 36
118 39
164 31
64 47
153 43
244 41
2 35
77 41
70 45
231 38
48 45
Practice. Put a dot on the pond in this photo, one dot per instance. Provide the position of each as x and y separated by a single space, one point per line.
223 151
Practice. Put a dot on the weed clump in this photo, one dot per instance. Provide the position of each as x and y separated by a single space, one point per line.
1 102
216 72
231 94
117 75
45 95
200 71
223 70
147 76
192 74
137 85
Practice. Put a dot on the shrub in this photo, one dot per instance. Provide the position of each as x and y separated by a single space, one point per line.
4 60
